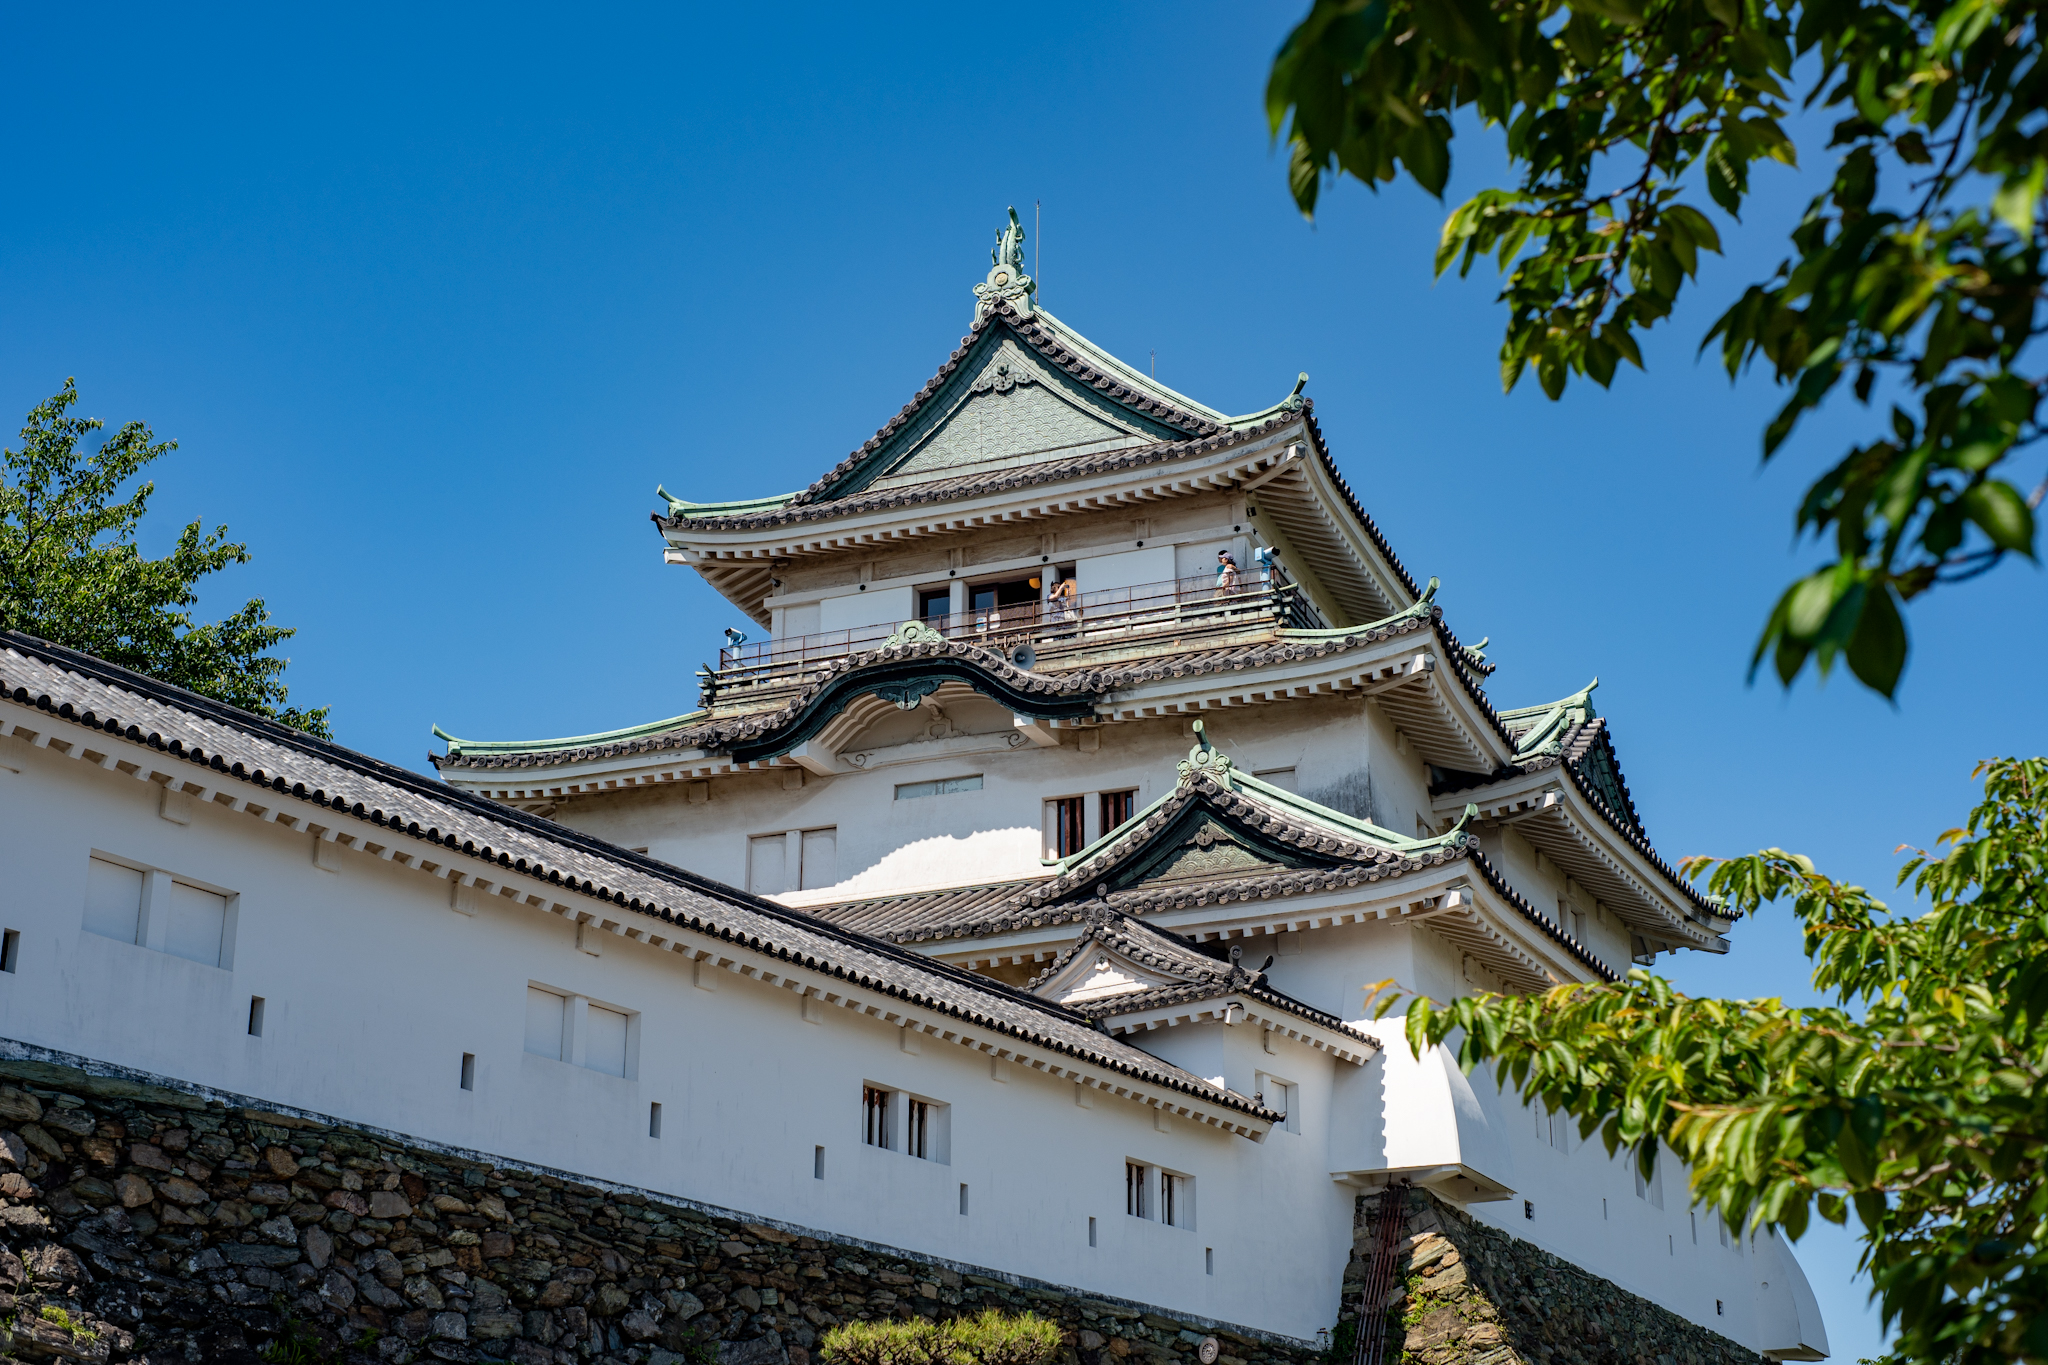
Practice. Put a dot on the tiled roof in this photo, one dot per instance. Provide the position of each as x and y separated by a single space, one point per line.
1046 342
1200 975
714 732
247 754
986 481
1568 735
1372 528
1338 853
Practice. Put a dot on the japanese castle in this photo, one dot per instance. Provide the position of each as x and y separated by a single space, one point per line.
1012 897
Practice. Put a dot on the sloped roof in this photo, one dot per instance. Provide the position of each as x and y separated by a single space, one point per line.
1219 836
259 763
1196 973
761 734
1148 405
1570 736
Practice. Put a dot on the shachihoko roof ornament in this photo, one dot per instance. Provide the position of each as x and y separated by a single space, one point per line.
1006 282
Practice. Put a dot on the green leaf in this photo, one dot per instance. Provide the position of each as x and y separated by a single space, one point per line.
2001 514
1877 650
2019 198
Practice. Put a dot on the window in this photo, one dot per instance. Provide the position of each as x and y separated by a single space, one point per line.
874 1116
547 1017
817 1163
469 1071
767 863
1285 1096
1063 826
604 1048
794 860
1173 1200
1208 1260
10 950
1136 1191
917 1131
1091 1230
198 921
1117 808
113 900
820 858
154 910
1283 778
654 1120
944 786
255 1016
963 1201
934 602
1651 1190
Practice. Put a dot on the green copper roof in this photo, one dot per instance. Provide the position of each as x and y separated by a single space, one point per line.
1219 766
1551 721
526 746
678 507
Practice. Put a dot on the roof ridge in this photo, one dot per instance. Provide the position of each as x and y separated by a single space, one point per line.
1050 346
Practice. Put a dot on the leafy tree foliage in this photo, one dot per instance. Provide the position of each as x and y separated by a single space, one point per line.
1919 1102
70 570
1921 263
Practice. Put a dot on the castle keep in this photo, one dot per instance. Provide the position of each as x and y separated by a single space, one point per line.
1002 914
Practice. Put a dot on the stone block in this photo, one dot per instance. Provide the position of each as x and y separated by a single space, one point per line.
762 1350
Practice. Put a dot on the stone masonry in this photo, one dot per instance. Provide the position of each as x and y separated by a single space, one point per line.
142 1223
1469 1294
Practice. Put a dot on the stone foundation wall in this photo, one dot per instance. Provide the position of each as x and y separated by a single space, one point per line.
143 1223
1469 1294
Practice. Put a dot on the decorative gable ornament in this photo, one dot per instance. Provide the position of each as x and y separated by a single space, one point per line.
1006 282
1206 759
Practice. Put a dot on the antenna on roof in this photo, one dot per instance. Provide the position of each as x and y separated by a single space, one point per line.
1038 231
1155 363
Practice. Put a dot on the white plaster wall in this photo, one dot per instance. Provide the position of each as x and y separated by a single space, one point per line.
964 838
1098 573
875 607
375 988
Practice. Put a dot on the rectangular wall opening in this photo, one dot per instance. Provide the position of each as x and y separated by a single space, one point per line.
963 1201
818 1163
874 1116
654 1120
1208 1260
10 950
1091 1231
1063 825
546 1017
469 1071
1117 807
255 1016
1137 1192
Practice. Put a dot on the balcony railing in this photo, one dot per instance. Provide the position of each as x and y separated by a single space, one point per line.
1051 627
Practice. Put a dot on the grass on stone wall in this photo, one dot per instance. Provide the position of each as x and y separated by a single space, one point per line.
988 1338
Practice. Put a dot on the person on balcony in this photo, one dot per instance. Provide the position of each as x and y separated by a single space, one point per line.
1226 573
1063 602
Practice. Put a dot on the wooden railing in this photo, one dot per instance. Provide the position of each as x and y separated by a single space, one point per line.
1049 626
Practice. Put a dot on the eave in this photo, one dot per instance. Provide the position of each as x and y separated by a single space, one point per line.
1480 914
1236 1009
1550 811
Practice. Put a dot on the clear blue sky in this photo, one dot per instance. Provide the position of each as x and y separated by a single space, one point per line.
432 300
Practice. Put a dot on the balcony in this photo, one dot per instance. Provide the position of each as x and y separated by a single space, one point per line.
1095 628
